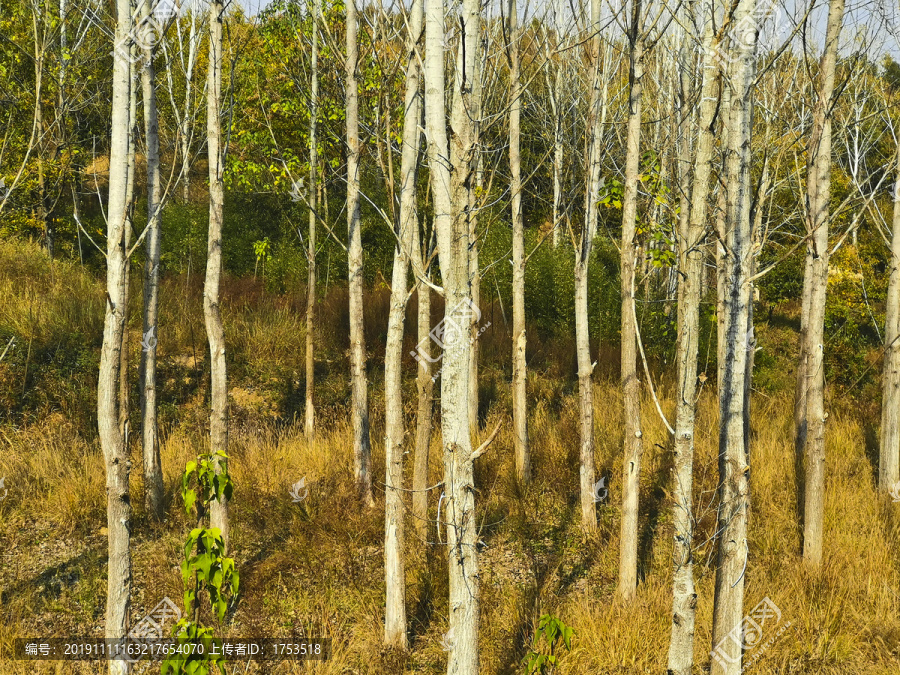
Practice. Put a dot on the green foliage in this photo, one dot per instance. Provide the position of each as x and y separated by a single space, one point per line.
784 281
551 637
211 486
550 283
891 73
194 653
205 562
205 569
263 250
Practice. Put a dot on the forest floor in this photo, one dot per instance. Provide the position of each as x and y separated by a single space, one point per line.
316 565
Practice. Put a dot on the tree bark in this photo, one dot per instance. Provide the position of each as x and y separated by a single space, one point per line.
118 504
733 550
425 392
520 410
153 479
691 253
889 454
631 386
818 195
310 417
474 111
595 119
359 402
188 118
394 562
218 419
556 104
124 388
40 48
450 183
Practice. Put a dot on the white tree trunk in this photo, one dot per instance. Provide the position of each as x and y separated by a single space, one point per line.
595 119
691 253
394 563
115 454
451 201
310 417
153 479
737 264
124 388
520 410
359 403
425 391
631 386
474 112
556 103
187 119
215 332
818 194
889 455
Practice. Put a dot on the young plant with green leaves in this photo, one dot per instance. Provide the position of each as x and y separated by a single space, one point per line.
545 654
205 569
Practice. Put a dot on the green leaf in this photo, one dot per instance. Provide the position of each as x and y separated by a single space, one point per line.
190 497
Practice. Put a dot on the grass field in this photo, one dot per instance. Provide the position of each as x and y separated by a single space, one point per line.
317 564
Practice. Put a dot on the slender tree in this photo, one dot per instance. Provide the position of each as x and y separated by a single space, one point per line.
394 563
733 550
215 331
691 238
359 405
520 411
124 385
153 479
424 391
815 283
452 173
595 119
631 386
555 95
474 112
889 455
310 419
115 454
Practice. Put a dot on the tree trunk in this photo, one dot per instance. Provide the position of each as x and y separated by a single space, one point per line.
394 563
691 249
474 111
631 386
309 427
721 276
556 103
520 410
733 550
451 216
188 118
818 195
118 504
40 48
595 119
153 479
124 388
425 391
889 455
359 403
218 419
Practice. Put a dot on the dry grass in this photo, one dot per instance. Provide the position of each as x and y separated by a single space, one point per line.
317 565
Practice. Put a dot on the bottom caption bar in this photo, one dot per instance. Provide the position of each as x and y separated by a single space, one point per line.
137 649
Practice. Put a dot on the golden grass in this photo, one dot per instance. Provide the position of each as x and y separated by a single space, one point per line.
318 564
